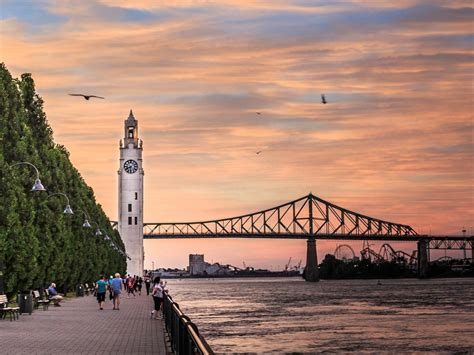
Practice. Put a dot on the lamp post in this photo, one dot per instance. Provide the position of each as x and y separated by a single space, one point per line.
67 209
38 186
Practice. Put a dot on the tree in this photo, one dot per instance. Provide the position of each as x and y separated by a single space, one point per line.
38 244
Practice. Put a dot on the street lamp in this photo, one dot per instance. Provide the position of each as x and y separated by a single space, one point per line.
97 232
67 209
38 186
86 223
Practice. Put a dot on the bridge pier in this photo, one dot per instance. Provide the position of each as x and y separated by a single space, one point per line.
423 258
311 271
472 252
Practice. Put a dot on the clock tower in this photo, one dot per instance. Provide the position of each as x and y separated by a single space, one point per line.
130 191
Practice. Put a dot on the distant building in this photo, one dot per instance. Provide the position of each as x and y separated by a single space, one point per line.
197 265
217 269
169 273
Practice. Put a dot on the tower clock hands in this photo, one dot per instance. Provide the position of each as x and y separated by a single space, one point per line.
130 166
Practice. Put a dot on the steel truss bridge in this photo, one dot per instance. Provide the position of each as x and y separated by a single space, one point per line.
305 218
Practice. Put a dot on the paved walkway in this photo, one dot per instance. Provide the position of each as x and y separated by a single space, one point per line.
79 327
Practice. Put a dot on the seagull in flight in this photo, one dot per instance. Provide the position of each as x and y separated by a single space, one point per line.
87 97
258 113
258 152
323 99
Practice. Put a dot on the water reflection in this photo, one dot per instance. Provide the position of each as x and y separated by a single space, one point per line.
290 315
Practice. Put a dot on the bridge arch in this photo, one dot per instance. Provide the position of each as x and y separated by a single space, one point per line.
308 216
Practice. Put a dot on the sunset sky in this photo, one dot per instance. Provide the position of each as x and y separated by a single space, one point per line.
395 140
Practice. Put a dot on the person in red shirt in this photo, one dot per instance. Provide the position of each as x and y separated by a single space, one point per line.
131 286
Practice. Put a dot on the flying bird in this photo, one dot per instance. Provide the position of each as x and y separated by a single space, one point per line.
87 97
323 99
258 152
258 113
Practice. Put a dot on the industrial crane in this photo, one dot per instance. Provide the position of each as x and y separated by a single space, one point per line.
298 266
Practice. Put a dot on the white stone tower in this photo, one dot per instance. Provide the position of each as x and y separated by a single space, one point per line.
130 190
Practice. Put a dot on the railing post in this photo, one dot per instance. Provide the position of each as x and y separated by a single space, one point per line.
311 272
176 332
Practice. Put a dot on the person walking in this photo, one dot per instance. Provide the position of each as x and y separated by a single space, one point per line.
147 284
101 289
157 293
125 282
131 286
111 292
117 290
139 285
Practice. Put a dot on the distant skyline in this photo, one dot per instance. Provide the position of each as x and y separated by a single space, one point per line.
394 141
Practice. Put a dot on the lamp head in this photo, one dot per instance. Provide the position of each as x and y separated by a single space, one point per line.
98 232
106 237
68 210
86 224
38 186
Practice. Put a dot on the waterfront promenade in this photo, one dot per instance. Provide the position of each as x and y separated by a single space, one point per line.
79 327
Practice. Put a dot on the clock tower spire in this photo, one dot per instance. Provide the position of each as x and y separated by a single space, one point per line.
130 190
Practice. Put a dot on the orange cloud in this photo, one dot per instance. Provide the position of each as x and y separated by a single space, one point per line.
395 140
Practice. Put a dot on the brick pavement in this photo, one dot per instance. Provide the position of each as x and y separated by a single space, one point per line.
79 327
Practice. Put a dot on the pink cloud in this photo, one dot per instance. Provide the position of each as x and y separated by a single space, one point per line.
395 140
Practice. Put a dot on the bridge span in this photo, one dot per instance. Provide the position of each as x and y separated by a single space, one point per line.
310 218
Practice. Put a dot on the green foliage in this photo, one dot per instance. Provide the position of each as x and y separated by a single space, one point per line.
38 243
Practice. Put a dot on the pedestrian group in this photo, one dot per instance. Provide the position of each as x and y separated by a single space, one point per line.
131 286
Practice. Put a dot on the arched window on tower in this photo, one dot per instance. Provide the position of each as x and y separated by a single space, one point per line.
130 132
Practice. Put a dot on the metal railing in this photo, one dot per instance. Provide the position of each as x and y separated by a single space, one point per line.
183 333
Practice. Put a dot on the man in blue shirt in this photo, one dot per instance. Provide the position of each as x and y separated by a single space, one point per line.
53 295
101 287
117 290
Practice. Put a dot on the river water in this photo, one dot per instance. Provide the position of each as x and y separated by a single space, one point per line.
289 315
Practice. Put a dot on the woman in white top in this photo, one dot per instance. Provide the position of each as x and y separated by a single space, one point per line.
157 293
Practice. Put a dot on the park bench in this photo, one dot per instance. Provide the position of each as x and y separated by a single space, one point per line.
39 301
88 290
4 309
56 302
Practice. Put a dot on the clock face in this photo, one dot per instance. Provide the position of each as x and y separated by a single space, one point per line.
130 166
